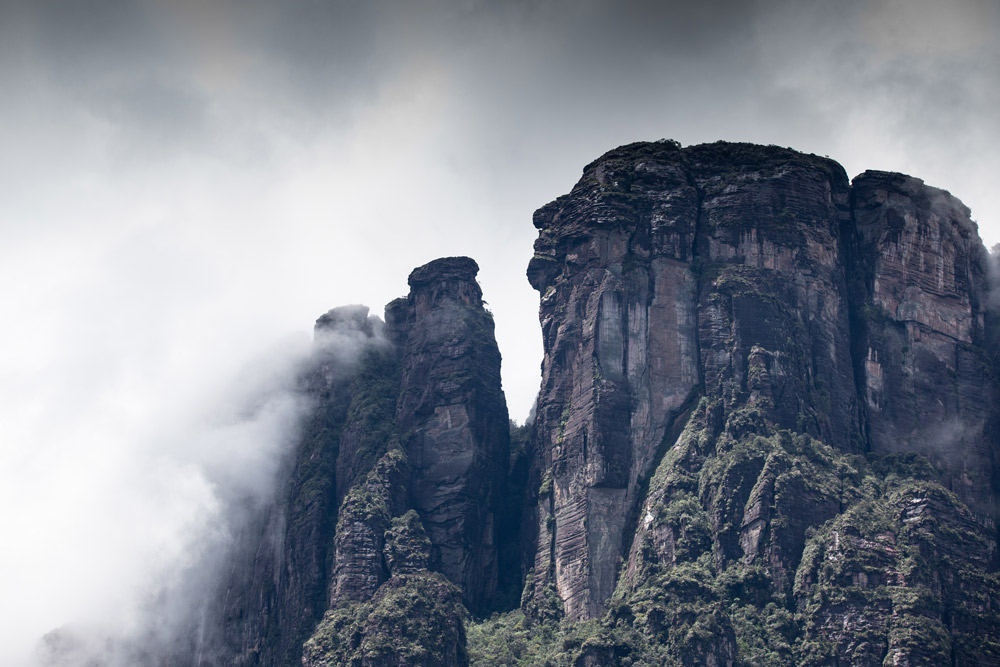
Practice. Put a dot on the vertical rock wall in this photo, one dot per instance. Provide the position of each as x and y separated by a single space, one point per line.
453 417
741 274
275 590
749 363
412 420
613 265
927 385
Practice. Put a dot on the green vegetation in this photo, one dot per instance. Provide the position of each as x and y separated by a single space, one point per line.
371 416
414 619
564 420
369 500
757 545
407 548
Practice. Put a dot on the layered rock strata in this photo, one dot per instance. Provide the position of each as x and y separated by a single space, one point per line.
760 279
767 433
275 588
395 483
927 380
454 417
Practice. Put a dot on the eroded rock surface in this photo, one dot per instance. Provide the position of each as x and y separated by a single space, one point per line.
454 417
767 433
665 273
392 492
736 339
928 385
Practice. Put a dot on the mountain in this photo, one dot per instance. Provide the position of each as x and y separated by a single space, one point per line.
767 433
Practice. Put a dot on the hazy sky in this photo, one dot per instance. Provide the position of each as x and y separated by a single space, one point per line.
188 185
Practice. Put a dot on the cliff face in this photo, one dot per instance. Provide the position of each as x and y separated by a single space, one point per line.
275 589
667 273
454 412
766 433
391 495
927 381
722 270
739 346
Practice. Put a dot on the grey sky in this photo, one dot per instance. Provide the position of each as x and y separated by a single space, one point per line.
186 183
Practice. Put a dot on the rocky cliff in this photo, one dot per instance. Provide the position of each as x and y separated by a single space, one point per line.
392 496
766 433
739 346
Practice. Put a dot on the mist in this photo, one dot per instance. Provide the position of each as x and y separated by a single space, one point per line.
188 185
175 506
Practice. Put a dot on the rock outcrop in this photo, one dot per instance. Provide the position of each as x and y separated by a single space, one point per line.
454 415
735 339
766 433
392 492
928 386
275 590
664 274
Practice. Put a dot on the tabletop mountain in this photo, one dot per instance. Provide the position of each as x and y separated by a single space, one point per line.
767 433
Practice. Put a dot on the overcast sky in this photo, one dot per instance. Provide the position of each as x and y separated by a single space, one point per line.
186 186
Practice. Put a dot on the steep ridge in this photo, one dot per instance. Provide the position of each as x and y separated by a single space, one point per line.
663 272
454 415
927 377
275 589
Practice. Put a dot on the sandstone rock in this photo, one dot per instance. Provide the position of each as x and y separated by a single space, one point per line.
664 273
900 580
434 378
454 415
366 514
275 590
766 433
928 386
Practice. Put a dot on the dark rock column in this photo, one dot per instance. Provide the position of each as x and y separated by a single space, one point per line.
666 271
452 417
773 310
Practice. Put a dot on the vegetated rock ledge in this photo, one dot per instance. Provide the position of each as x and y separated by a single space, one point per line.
766 433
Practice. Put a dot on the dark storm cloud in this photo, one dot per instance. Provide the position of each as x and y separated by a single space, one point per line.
325 50
319 57
183 73
89 43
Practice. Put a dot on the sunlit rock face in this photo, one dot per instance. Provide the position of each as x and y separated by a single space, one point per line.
759 279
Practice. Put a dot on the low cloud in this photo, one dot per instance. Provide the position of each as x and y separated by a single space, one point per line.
173 509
